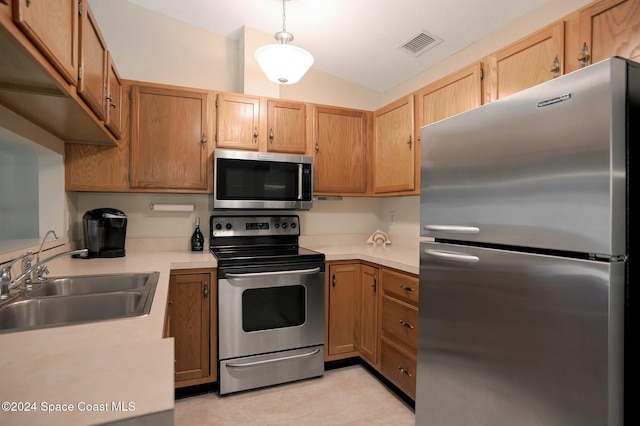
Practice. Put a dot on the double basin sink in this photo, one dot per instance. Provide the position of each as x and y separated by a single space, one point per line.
79 299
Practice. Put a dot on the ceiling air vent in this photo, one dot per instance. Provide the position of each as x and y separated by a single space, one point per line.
420 43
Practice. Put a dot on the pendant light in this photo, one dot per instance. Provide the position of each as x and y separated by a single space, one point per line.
283 63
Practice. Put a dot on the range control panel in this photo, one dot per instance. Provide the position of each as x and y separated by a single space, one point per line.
247 226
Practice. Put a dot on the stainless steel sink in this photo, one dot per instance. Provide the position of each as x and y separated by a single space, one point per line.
81 299
85 284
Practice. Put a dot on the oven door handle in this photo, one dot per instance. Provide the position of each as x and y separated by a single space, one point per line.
265 274
268 361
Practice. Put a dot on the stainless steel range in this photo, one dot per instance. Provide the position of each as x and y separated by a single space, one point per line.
270 302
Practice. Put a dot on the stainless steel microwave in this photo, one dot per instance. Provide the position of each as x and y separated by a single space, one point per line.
263 181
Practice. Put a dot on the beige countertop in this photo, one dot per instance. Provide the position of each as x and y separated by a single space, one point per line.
124 368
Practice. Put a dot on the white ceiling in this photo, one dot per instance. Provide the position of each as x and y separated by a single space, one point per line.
356 40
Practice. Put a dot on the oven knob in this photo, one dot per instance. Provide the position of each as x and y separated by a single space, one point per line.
276 225
293 225
284 226
228 226
218 226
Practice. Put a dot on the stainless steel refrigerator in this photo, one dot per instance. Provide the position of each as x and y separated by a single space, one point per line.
524 283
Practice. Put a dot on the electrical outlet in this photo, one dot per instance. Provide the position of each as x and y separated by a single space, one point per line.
392 214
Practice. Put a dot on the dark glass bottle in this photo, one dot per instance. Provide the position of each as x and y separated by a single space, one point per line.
197 239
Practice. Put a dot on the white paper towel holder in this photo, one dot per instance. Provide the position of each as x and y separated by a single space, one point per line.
163 207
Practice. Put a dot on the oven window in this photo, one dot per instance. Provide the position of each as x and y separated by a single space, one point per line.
273 307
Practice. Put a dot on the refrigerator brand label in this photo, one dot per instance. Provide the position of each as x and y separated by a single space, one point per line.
554 100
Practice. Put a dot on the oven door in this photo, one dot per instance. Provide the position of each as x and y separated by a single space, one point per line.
270 308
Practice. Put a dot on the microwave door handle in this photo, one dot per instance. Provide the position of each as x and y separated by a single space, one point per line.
265 274
299 181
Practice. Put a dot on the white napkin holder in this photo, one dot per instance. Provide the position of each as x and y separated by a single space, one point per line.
379 238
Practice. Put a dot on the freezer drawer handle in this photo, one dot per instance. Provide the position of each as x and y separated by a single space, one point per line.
453 228
452 256
265 274
268 361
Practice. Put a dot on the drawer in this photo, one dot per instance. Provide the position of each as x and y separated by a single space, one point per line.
403 286
400 321
399 368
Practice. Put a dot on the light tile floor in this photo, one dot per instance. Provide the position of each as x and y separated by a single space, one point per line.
345 396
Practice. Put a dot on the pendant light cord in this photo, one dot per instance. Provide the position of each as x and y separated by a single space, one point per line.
284 17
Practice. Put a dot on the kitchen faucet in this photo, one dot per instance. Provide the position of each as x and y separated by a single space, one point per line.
38 266
5 273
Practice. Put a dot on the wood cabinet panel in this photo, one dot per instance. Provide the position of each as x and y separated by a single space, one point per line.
169 148
400 285
400 322
52 26
287 127
92 75
394 151
366 324
449 96
340 163
238 121
191 321
609 28
527 62
399 367
342 286
114 100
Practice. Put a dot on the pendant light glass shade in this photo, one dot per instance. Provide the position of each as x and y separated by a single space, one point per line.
283 63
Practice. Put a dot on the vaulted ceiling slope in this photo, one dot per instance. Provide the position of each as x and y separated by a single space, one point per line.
359 41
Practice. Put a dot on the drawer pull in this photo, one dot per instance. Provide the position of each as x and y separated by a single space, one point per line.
406 287
405 372
406 324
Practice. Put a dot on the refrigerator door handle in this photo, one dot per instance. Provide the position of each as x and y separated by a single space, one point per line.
452 256
453 228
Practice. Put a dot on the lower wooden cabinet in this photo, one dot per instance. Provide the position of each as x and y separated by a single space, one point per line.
399 367
366 325
340 296
191 321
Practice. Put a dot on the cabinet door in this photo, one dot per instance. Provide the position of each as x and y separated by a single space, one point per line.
449 96
188 322
238 121
533 60
609 28
52 25
114 101
168 139
340 143
92 74
286 122
342 288
367 313
394 149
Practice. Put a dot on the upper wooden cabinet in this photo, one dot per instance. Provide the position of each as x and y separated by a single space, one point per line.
394 149
530 61
92 73
287 127
449 96
169 147
52 26
606 28
341 150
238 121
114 100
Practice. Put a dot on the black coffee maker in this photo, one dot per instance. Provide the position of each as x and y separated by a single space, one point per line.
105 230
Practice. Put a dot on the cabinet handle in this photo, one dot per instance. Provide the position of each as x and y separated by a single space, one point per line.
374 284
584 56
317 147
406 324
205 291
271 136
203 141
333 280
28 3
410 143
405 372
556 67
406 287
255 135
